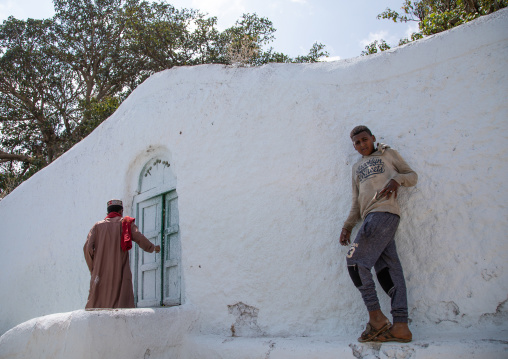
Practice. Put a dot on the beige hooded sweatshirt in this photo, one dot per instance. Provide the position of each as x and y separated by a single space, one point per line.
370 175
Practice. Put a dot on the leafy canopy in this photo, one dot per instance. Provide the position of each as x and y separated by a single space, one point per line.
434 16
62 77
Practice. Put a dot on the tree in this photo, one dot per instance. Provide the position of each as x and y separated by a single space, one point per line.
53 73
434 16
61 77
316 52
89 39
36 94
160 36
244 40
243 44
373 47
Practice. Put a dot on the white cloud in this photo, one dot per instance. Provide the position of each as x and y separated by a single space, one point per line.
36 9
411 27
392 40
299 1
330 58
220 7
226 11
8 8
373 37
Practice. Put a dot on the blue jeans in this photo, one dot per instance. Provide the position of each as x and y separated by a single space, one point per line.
374 246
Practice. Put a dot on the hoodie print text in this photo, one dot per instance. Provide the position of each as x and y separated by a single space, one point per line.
369 168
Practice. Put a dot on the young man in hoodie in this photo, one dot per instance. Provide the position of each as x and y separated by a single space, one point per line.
376 179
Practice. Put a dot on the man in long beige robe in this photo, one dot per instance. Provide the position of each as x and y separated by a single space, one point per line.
111 277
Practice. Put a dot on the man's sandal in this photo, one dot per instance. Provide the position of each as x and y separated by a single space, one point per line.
387 336
370 332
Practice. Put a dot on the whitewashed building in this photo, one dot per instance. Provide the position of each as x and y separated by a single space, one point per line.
243 176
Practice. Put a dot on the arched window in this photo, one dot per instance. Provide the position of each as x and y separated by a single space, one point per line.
157 279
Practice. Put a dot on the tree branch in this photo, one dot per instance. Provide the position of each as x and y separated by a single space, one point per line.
6 157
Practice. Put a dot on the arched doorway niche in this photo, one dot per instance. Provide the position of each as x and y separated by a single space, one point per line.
157 277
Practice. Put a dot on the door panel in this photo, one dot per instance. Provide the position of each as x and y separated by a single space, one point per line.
158 276
172 251
149 276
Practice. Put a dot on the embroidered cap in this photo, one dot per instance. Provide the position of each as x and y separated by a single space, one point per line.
115 202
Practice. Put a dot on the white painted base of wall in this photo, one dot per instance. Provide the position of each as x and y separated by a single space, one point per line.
434 346
168 333
116 333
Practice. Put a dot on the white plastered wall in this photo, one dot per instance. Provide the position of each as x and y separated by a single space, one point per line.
263 161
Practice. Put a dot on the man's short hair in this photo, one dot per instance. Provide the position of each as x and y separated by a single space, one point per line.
114 208
359 129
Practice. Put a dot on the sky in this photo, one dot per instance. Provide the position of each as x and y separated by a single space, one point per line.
344 26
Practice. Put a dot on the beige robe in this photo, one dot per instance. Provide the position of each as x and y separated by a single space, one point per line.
111 281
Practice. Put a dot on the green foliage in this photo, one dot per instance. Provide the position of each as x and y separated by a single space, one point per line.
316 52
160 36
434 16
95 112
242 43
245 41
34 91
373 47
414 36
61 77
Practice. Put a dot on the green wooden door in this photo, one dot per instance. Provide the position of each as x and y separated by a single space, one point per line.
148 264
171 250
158 276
